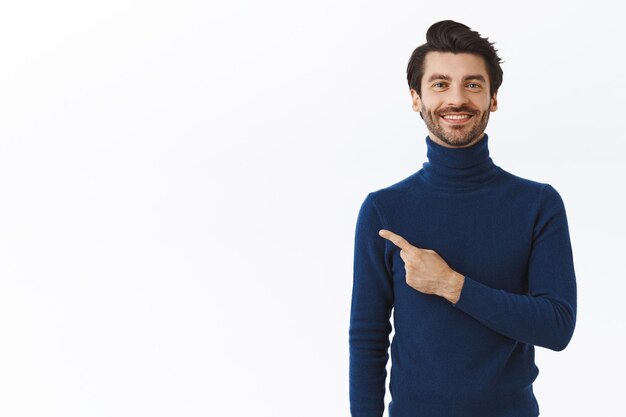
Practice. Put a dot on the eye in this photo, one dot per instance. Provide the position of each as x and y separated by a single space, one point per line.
439 84
473 85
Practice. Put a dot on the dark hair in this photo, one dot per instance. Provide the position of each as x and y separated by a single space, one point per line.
451 36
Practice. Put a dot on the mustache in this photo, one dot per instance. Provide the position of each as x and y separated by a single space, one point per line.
462 109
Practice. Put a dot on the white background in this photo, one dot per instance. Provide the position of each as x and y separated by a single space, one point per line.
179 185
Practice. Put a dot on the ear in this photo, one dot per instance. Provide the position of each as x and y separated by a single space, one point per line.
494 102
417 102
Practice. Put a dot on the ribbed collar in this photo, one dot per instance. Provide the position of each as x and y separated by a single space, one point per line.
459 168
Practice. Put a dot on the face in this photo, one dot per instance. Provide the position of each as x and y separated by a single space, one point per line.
455 101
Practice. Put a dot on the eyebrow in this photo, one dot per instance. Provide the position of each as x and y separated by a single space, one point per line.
448 78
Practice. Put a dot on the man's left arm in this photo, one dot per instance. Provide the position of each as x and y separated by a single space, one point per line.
546 315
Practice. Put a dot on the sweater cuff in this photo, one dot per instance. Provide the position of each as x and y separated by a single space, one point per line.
472 295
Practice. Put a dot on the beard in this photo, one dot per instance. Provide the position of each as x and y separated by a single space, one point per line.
457 136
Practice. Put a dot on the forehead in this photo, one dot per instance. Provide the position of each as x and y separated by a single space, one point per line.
456 66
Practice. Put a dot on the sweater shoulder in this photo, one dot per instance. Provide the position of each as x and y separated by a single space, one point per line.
392 196
397 188
526 184
522 182
544 194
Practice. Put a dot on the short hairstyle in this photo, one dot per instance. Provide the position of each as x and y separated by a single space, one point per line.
451 36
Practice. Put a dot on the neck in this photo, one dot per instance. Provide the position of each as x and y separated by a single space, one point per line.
459 168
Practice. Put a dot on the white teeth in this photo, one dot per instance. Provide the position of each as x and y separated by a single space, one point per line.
456 116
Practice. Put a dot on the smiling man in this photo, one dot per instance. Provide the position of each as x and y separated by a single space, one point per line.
475 262
456 100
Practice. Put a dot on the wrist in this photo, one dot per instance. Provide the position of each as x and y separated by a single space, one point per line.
453 287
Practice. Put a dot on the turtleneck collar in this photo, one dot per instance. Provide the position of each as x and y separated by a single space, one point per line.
459 168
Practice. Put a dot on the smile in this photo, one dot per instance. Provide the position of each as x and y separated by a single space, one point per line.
456 118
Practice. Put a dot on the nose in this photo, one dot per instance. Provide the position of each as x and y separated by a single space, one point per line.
456 96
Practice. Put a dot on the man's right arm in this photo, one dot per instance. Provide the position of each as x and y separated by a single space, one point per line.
372 302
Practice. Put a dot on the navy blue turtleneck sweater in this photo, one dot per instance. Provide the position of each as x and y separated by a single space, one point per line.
509 237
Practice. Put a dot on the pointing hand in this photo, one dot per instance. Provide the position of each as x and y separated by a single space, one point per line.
426 271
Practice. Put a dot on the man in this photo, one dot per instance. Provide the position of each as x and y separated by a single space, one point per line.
475 261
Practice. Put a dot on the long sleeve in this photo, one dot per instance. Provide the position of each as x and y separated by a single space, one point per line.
546 315
372 302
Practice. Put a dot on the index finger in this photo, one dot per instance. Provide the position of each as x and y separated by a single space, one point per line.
397 240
